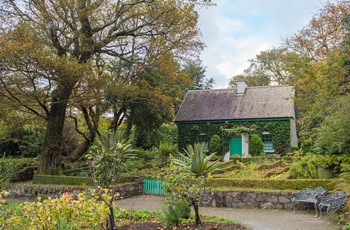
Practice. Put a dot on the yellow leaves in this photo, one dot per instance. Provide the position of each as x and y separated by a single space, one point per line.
82 213
3 195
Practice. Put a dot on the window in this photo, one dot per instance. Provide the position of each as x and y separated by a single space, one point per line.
202 139
267 140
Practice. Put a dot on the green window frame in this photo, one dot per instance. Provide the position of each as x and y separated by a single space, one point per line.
267 141
202 139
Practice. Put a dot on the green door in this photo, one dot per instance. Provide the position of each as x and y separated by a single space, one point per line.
236 145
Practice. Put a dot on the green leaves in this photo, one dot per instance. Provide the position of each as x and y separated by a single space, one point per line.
256 145
112 155
195 161
187 174
333 135
6 171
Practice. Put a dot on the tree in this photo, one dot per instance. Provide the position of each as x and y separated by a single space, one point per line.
197 71
250 80
111 156
50 49
333 135
323 33
323 69
271 66
194 168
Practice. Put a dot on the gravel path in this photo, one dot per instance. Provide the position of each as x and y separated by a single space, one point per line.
254 219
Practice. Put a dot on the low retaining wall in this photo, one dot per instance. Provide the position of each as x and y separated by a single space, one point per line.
245 199
31 191
228 199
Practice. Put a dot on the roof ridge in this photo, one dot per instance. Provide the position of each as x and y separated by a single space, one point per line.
249 87
269 86
222 89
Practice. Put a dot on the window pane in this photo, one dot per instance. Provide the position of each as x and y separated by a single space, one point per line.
202 139
267 140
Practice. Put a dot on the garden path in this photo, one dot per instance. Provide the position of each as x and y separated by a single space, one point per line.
254 219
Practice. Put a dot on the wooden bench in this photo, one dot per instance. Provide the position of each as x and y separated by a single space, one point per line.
308 195
333 202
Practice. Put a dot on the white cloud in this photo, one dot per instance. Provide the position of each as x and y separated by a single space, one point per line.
236 31
228 26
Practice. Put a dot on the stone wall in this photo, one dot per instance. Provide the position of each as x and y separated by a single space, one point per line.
228 199
245 199
31 191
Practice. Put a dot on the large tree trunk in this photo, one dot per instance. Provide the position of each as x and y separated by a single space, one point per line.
53 147
91 120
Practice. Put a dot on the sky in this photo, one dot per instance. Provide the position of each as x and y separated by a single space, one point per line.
235 31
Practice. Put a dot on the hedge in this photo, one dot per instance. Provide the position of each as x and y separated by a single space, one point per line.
277 184
61 180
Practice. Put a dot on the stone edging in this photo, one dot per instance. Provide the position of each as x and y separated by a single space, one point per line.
246 199
31 191
211 198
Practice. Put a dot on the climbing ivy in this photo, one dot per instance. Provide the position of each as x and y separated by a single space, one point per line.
188 132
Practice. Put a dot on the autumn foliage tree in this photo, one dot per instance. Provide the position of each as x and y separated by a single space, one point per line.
54 53
273 66
315 60
323 73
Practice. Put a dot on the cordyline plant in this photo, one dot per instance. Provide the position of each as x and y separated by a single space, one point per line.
109 158
191 170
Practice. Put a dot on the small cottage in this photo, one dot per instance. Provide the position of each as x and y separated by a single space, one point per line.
229 114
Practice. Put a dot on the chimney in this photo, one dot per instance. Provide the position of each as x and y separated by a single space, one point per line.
241 86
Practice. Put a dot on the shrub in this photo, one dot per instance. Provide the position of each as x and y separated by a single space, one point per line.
148 154
278 184
337 125
315 166
23 142
61 180
167 148
173 213
215 144
63 213
6 171
20 163
294 148
235 157
256 145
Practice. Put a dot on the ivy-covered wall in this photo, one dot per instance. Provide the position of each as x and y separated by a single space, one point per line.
280 130
188 132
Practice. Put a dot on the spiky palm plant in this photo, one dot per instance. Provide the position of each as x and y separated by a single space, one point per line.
111 156
196 161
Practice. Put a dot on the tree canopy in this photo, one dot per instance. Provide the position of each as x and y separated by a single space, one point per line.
322 76
315 60
273 66
56 57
